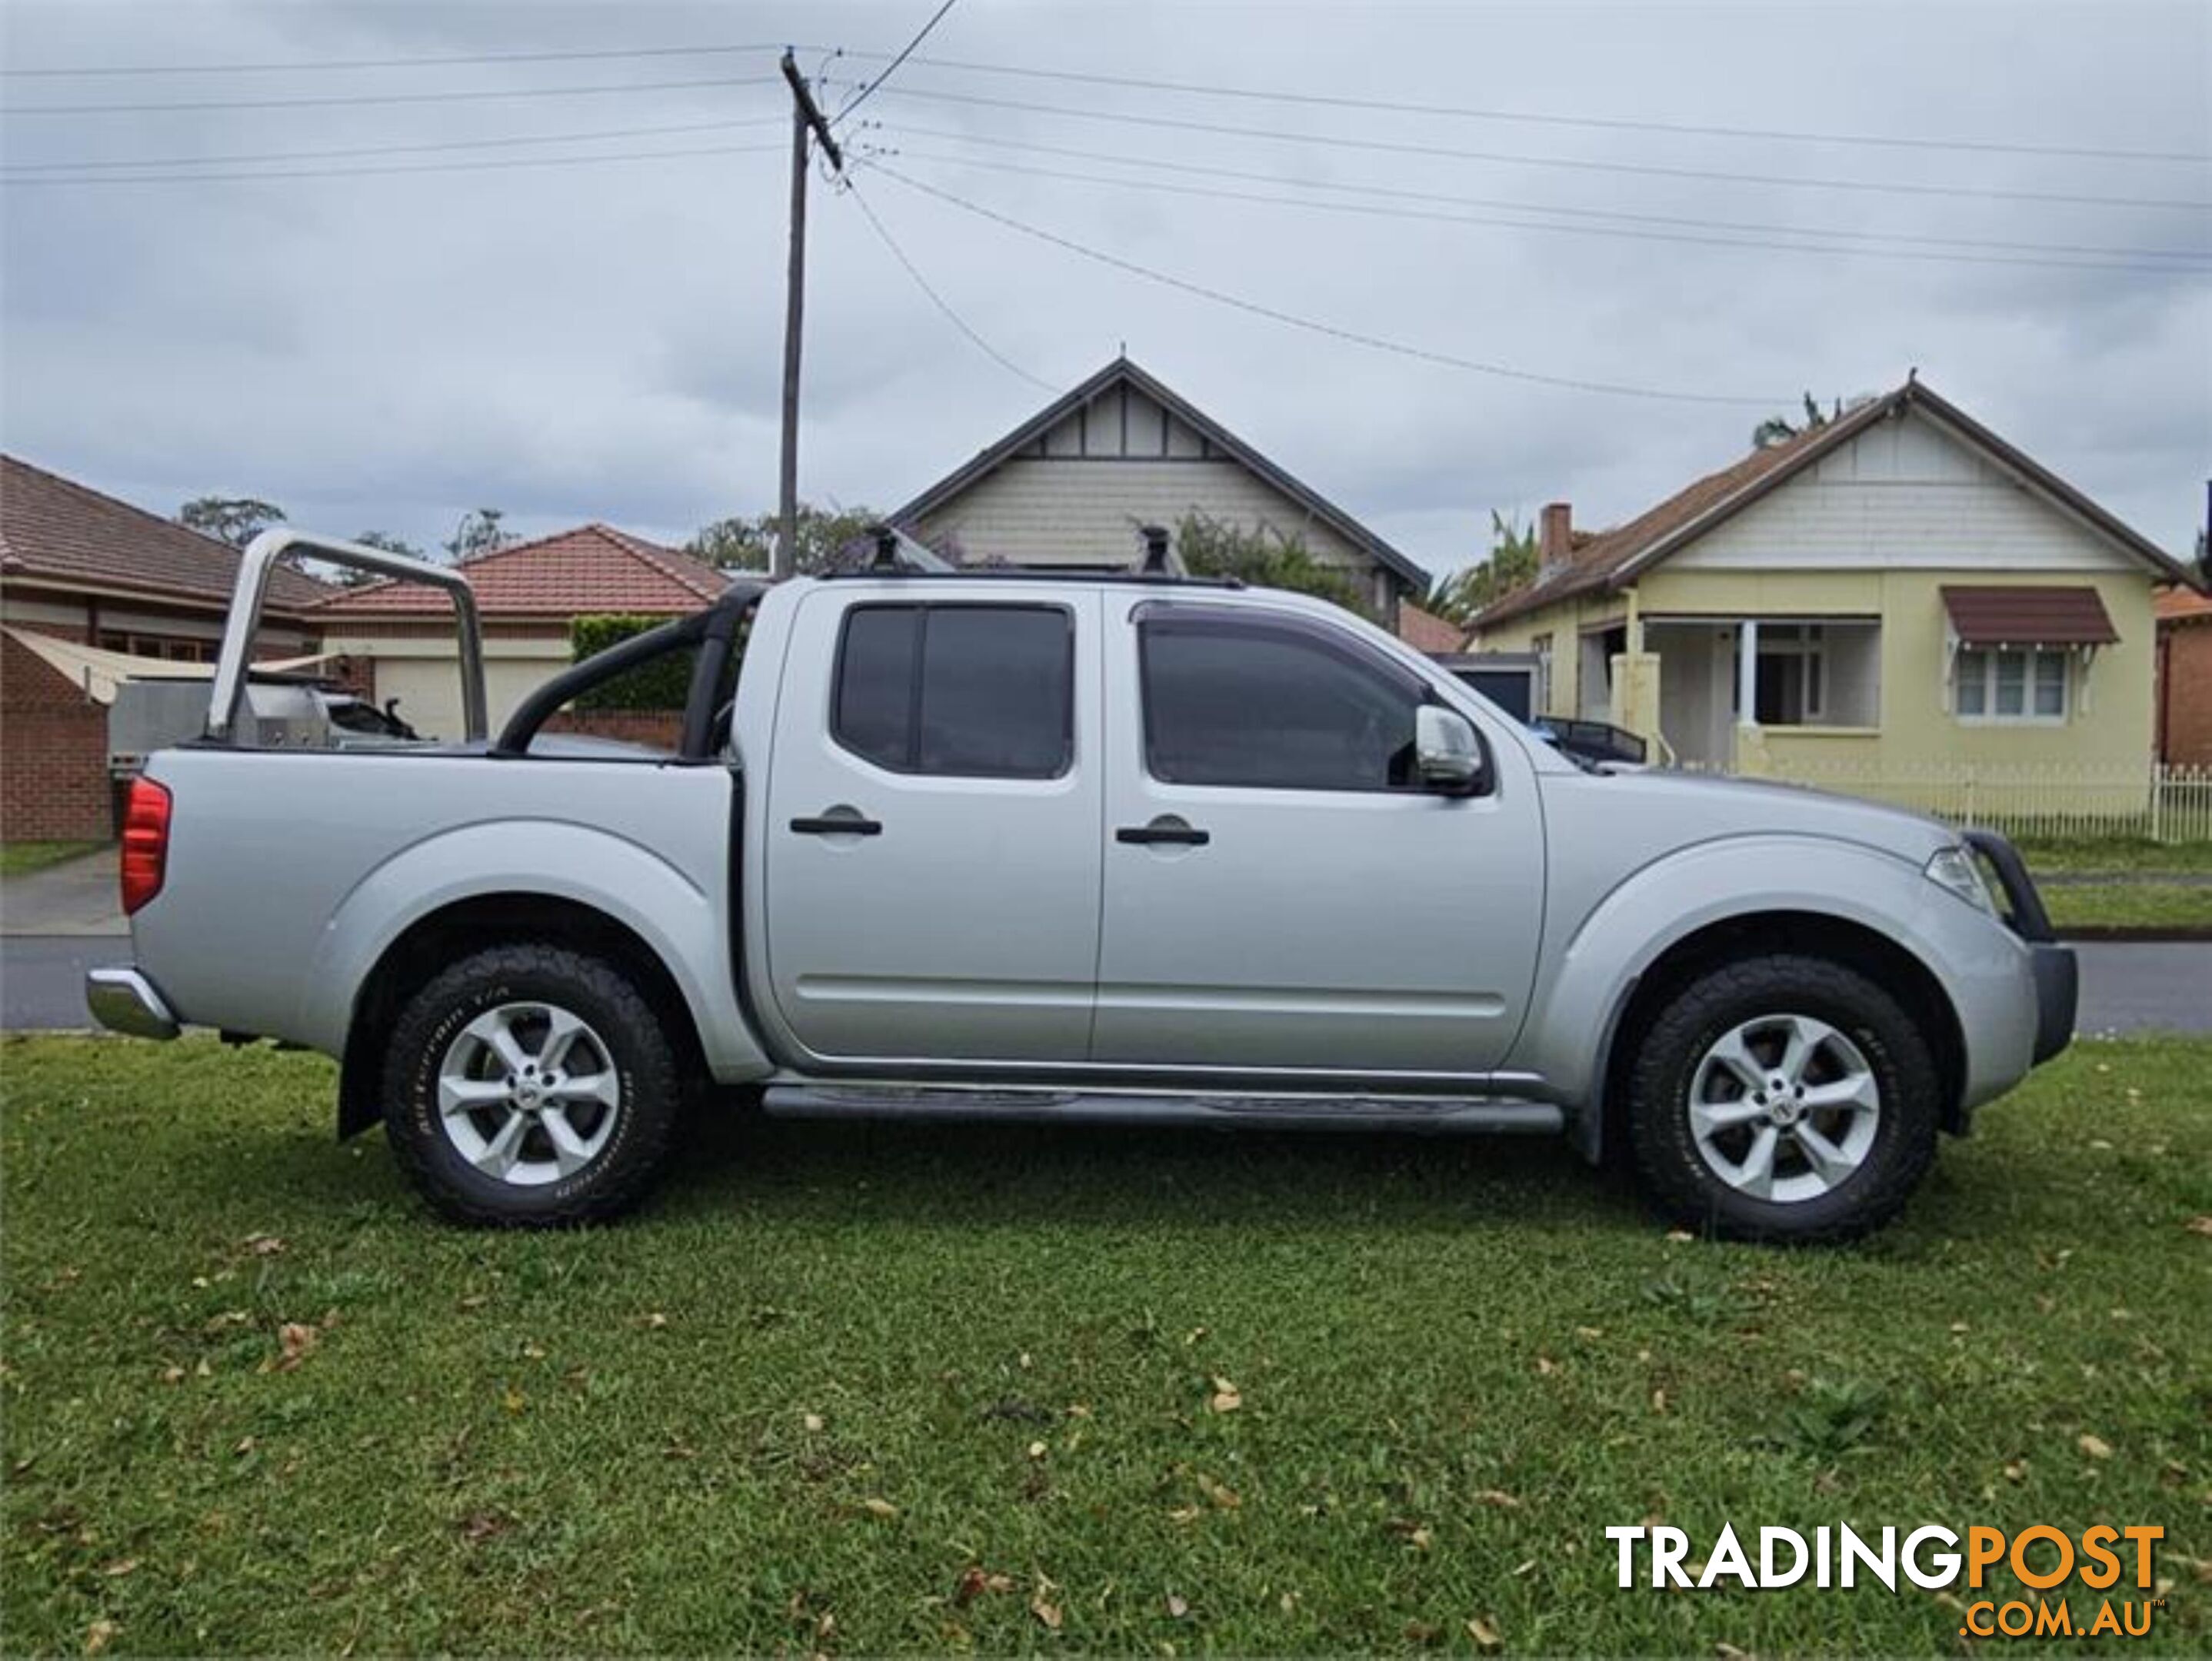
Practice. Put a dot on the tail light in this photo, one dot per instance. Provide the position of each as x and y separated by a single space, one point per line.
145 842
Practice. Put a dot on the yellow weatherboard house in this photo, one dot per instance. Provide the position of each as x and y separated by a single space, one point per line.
1896 594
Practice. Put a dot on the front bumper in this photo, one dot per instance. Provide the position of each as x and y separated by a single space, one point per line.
124 1001
2057 975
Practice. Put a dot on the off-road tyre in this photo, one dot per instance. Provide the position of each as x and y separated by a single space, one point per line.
644 1056
1668 1165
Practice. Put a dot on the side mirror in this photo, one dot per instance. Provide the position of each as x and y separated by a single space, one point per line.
1446 751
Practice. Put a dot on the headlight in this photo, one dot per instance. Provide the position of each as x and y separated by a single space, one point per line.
1954 868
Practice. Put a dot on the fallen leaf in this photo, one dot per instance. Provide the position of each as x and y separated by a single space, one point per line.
1222 1495
2016 1471
173 1375
1037 1449
2199 1226
969 1588
1289 1602
998 1583
1484 1630
293 1341
1421 1538
1589 1332
1524 1568
1046 1611
1497 1497
1679 1237
514 1401
1730 1653
263 1245
1184 1514
653 1322
479 1526
1546 1365
1177 1608
2095 1446
96 1636
1658 1401
1423 1631
120 1567
876 1507
246 1445
1226 1398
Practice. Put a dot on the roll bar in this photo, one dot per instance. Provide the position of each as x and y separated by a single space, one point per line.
252 587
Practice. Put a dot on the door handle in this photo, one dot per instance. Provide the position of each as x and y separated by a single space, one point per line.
1187 836
837 824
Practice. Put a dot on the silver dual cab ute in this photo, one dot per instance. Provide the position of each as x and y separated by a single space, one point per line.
1074 846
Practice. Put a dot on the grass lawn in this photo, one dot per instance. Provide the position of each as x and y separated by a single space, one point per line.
1132 1392
2057 856
20 858
2146 905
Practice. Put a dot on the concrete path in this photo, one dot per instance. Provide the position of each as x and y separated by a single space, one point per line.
77 897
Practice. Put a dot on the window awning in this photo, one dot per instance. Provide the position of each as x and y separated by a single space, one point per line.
2019 615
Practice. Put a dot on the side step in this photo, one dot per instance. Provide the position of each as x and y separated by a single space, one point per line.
1441 1115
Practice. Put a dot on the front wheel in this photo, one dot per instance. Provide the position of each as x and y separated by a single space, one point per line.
1783 1098
531 1086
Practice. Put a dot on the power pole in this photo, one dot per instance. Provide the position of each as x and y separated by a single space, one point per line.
806 118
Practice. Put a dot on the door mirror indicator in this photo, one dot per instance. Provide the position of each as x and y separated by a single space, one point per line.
1446 752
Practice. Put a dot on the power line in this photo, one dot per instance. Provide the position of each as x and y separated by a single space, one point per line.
1608 124
1364 189
938 300
1312 325
860 97
44 71
377 97
367 172
389 150
1573 163
1432 215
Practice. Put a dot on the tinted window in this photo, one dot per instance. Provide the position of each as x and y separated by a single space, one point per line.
985 691
1259 703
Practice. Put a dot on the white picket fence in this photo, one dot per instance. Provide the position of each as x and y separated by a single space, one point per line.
2161 803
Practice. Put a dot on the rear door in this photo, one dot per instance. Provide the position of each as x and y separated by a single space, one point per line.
932 831
1281 892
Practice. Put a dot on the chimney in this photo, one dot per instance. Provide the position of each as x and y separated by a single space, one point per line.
1555 536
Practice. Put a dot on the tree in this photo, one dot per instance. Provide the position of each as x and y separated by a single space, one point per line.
742 544
1779 429
1511 563
1265 557
479 532
233 519
389 544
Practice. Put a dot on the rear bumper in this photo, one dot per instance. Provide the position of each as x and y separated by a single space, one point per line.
124 1001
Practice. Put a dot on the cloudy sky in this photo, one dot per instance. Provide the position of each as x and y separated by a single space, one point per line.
381 263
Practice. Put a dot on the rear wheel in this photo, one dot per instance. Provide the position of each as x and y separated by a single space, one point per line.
531 1086
1783 1098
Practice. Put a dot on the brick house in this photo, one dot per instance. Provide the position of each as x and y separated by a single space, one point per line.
2184 677
399 636
82 567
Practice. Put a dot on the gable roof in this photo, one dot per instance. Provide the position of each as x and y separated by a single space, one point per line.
592 568
1425 631
54 530
1612 559
1120 371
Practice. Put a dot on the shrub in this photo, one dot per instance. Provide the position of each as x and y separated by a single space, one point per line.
663 684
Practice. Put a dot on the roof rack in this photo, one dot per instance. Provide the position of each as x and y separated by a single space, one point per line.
897 554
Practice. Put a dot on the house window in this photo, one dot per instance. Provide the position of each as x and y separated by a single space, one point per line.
2010 684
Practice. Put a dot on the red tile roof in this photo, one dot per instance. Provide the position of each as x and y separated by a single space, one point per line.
1425 631
2050 613
2183 605
53 530
592 568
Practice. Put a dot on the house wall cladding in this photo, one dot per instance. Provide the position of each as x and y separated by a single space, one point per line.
53 753
1079 511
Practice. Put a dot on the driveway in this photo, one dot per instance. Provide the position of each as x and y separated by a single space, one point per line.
75 898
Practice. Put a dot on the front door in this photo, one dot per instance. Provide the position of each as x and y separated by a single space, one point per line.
1279 890
933 858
